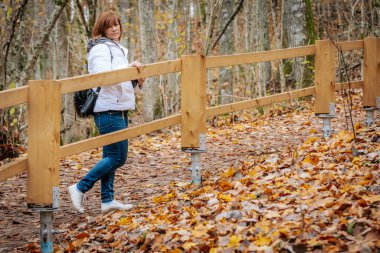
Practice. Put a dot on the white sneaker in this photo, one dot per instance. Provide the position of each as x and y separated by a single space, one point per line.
114 205
76 197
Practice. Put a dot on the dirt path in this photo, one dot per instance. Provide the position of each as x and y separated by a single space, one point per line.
155 161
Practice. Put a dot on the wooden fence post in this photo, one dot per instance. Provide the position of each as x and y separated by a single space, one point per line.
193 101
193 111
371 84
43 155
325 83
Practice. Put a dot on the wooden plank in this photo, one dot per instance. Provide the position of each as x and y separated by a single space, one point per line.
13 97
346 85
351 45
324 76
115 76
227 60
238 106
370 83
13 168
43 142
113 137
193 100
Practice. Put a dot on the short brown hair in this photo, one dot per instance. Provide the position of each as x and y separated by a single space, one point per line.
104 21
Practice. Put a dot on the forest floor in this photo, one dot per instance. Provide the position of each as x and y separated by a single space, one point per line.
271 183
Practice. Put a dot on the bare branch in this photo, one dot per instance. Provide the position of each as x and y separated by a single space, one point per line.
83 19
7 45
229 21
41 41
211 25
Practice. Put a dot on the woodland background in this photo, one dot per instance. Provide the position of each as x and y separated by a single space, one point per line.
46 39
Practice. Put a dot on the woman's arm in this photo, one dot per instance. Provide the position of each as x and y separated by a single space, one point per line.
139 67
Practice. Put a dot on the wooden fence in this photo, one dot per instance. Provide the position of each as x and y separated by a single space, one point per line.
44 105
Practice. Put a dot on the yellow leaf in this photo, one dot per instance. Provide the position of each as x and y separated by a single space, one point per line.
12 111
229 173
295 155
356 160
262 240
234 241
224 185
185 196
357 126
225 197
213 250
350 137
252 196
164 198
311 140
313 131
188 245
125 221
239 127
371 199
311 159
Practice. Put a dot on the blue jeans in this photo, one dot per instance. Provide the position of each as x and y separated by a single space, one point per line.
114 155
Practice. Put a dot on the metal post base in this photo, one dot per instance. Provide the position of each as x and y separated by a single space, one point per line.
327 131
46 231
369 116
196 168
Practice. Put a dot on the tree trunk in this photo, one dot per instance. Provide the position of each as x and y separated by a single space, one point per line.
262 44
226 48
277 16
173 45
151 100
249 46
188 6
295 32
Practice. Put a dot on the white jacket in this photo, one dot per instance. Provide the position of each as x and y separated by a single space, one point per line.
120 96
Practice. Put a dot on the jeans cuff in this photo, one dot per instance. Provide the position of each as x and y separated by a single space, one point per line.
105 201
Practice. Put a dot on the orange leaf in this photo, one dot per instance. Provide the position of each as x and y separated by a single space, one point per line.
311 159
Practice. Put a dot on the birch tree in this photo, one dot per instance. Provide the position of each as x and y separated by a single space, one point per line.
226 47
295 33
277 16
151 100
262 44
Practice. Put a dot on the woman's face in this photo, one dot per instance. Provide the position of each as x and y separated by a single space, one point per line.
113 32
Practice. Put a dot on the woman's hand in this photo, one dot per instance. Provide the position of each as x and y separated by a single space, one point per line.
139 67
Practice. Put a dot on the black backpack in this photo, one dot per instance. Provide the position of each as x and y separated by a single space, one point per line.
85 100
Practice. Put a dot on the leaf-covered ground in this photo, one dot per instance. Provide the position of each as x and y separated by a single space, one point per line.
271 184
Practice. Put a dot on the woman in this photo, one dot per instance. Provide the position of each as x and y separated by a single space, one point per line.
110 113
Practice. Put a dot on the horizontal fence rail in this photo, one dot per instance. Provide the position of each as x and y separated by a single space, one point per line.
271 55
77 83
113 137
14 96
228 60
20 95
